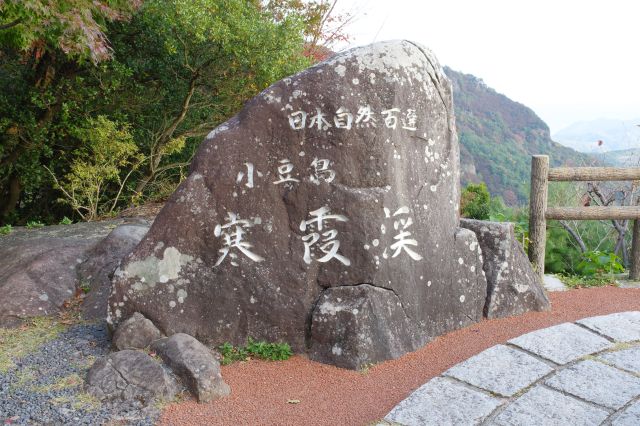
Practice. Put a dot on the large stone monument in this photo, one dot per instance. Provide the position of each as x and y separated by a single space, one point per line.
325 215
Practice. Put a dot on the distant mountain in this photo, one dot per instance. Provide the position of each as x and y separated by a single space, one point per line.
615 135
622 158
497 138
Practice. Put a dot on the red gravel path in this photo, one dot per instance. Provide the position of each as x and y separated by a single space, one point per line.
332 396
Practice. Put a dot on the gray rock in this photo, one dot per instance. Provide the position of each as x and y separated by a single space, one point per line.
626 359
501 370
129 375
346 173
194 364
561 343
359 325
137 332
39 267
442 401
553 283
513 287
96 272
597 383
621 326
543 406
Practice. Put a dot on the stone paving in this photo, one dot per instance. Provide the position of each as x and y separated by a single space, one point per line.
582 373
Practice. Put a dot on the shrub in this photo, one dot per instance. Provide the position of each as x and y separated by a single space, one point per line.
261 350
475 202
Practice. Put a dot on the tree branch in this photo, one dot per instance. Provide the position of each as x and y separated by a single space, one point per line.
574 235
10 24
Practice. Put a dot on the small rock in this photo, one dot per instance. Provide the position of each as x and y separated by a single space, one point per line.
513 287
135 333
353 326
194 364
129 375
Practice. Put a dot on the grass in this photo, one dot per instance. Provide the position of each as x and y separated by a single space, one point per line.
577 281
84 401
34 224
79 401
255 349
5 230
18 342
67 382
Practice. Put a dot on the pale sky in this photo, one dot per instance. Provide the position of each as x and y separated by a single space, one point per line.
568 60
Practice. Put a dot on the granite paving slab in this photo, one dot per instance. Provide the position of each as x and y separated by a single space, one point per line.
626 359
544 406
562 343
598 383
628 417
561 375
500 369
621 326
431 405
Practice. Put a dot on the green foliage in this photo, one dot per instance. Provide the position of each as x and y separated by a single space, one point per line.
34 224
598 263
172 71
579 281
108 148
84 287
475 202
65 221
5 230
261 350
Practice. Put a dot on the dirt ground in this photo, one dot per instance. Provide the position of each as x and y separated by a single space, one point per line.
267 393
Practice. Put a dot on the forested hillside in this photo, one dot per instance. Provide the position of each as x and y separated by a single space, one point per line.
497 138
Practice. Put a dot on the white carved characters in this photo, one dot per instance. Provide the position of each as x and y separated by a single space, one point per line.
344 119
328 242
402 242
284 172
321 171
233 232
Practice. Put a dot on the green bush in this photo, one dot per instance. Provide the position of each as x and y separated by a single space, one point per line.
599 263
475 202
261 350
5 230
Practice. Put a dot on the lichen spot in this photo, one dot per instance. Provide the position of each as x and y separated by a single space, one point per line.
172 304
336 350
460 260
462 299
181 294
340 69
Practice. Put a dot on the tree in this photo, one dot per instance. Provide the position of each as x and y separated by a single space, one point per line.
323 28
108 148
43 45
192 65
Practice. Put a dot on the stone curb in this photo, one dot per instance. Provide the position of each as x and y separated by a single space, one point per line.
587 372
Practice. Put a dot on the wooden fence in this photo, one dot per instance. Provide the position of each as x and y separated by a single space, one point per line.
541 174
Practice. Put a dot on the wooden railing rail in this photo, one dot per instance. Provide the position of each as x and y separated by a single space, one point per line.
541 175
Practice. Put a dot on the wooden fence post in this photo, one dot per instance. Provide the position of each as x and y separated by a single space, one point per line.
634 268
537 211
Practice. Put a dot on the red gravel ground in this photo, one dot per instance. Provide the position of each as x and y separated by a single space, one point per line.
333 396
